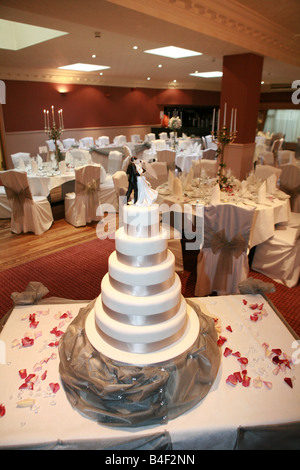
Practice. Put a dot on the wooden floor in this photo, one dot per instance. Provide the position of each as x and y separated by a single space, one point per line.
19 249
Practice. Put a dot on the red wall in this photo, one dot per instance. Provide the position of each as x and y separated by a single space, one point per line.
92 106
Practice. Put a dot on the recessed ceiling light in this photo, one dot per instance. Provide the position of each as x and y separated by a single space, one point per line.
15 36
207 74
93 56
174 81
159 66
84 67
148 78
135 47
173 52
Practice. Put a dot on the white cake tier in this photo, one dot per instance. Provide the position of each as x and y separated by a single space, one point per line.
141 338
160 356
141 221
126 304
151 279
141 251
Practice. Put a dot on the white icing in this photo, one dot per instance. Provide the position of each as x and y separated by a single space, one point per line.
141 221
141 334
139 276
151 305
133 246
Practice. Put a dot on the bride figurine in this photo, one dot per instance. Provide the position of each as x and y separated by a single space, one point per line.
146 194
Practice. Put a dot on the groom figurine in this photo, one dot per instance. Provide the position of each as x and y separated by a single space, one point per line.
132 180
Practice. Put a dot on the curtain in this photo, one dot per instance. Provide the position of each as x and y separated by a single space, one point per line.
286 121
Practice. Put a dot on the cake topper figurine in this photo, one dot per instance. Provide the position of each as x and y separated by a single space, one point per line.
132 175
144 194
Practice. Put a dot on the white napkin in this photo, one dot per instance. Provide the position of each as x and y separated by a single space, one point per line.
39 161
170 180
62 167
243 188
34 166
262 193
21 164
189 179
215 195
271 184
177 188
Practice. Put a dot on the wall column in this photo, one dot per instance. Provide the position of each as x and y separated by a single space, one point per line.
241 84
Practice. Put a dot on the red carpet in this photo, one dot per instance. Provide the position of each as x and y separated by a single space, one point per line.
76 273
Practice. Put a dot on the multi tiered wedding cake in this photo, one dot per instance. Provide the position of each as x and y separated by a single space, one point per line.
140 317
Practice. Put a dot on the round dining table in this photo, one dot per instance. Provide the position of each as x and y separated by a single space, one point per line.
274 210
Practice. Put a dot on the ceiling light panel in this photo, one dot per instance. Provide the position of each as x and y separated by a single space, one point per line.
15 36
84 67
173 52
207 74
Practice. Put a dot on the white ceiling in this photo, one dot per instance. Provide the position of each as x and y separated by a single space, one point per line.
223 27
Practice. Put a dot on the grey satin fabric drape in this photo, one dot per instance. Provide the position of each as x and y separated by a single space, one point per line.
117 394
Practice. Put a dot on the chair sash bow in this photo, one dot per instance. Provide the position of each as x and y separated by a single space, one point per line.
235 247
18 198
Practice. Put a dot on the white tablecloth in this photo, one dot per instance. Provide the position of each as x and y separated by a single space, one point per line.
220 421
42 185
265 216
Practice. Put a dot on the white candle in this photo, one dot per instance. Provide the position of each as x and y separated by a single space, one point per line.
59 118
62 119
231 119
225 109
218 119
45 121
53 118
213 122
48 123
235 113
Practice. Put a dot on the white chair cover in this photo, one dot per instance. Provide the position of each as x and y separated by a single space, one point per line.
279 257
87 142
29 213
16 157
223 262
102 141
5 209
163 135
209 154
290 184
167 156
127 151
266 158
264 171
120 140
67 143
149 137
51 145
84 206
209 166
114 163
161 171
135 138
285 157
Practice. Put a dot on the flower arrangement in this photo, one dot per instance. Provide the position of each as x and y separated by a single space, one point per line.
175 123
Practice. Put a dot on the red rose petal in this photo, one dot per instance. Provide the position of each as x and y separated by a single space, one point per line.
27 342
64 315
245 301
23 373
229 328
44 375
231 380
237 354
2 410
243 360
246 381
227 352
254 317
221 340
288 380
54 387
253 306
277 351
260 306
29 378
23 386
238 376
